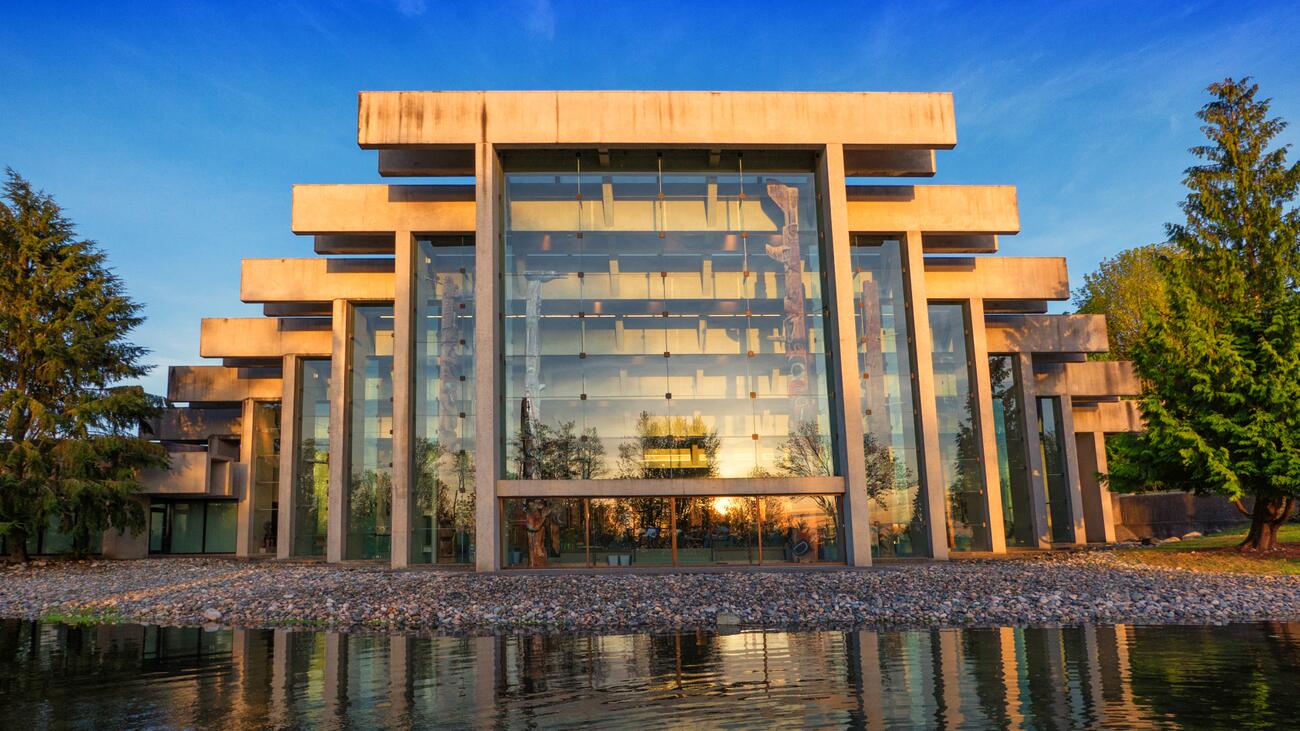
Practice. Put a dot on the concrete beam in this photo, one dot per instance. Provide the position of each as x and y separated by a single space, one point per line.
296 309
933 209
1009 278
621 118
1108 417
379 209
315 280
187 424
1089 379
215 384
673 488
187 475
888 163
959 243
427 162
255 337
353 244
1046 333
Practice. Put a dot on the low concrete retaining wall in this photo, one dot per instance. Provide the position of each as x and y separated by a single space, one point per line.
1165 514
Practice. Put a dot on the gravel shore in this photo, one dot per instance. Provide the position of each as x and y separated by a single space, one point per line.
1066 589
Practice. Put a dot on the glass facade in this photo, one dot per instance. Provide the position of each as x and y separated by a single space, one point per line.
663 317
311 489
370 479
265 475
889 415
1013 451
661 531
961 472
1051 440
192 526
443 393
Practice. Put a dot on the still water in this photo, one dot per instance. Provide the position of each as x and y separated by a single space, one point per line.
131 676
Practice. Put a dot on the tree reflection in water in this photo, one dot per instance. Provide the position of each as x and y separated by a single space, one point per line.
1244 676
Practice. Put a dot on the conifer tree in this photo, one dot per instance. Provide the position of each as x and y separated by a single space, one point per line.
69 444
1221 368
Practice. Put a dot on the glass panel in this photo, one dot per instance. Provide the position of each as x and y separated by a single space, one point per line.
370 482
1013 468
444 403
802 529
266 473
220 535
959 439
663 318
157 527
717 530
53 540
1052 443
889 415
311 496
187 527
631 531
545 533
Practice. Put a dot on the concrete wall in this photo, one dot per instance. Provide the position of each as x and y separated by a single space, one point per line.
1165 514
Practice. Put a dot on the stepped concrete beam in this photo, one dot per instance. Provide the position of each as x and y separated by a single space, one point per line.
215 384
329 210
1046 333
188 474
622 118
296 309
193 425
1108 417
251 337
934 209
888 163
1000 279
1090 379
316 280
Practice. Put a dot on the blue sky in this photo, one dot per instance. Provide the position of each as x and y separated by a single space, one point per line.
172 132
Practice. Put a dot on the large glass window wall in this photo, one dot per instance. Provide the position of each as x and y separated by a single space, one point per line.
961 469
1051 440
369 491
1013 467
889 414
444 402
192 526
663 316
311 488
266 475
662 531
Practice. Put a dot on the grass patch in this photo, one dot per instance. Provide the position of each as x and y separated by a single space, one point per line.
78 616
1217 552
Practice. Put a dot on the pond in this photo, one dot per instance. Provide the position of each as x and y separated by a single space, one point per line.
131 676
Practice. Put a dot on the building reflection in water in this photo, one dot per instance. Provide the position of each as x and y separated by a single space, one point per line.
1113 676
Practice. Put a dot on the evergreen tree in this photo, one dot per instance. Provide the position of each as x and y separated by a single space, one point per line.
69 444
1222 367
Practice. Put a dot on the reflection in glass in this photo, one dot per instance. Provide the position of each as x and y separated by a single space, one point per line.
717 530
631 531
1013 468
370 480
187 527
664 313
542 533
961 471
266 474
312 472
444 402
884 341
219 533
1051 440
801 529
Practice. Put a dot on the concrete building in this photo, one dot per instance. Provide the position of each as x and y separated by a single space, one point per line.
658 328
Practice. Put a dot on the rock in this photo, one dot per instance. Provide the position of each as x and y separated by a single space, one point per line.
727 619
212 615
1193 534
1171 539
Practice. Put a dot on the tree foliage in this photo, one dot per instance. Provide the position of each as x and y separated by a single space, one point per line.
68 432
1126 288
1222 367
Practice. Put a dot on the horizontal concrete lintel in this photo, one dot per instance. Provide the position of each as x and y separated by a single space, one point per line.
1015 307
1000 278
427 162
1108 417
382 209
219 385
297 309
959 243
1046 333
395 119
888 162
316 280
264 338
1089 379
934 209
352 244
672 488
186 424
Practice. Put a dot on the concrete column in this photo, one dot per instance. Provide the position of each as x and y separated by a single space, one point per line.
1037 478
487 354
245 531
1072 470
403 405
1097 508
932 488
988 436
340 385
847 416
288 457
